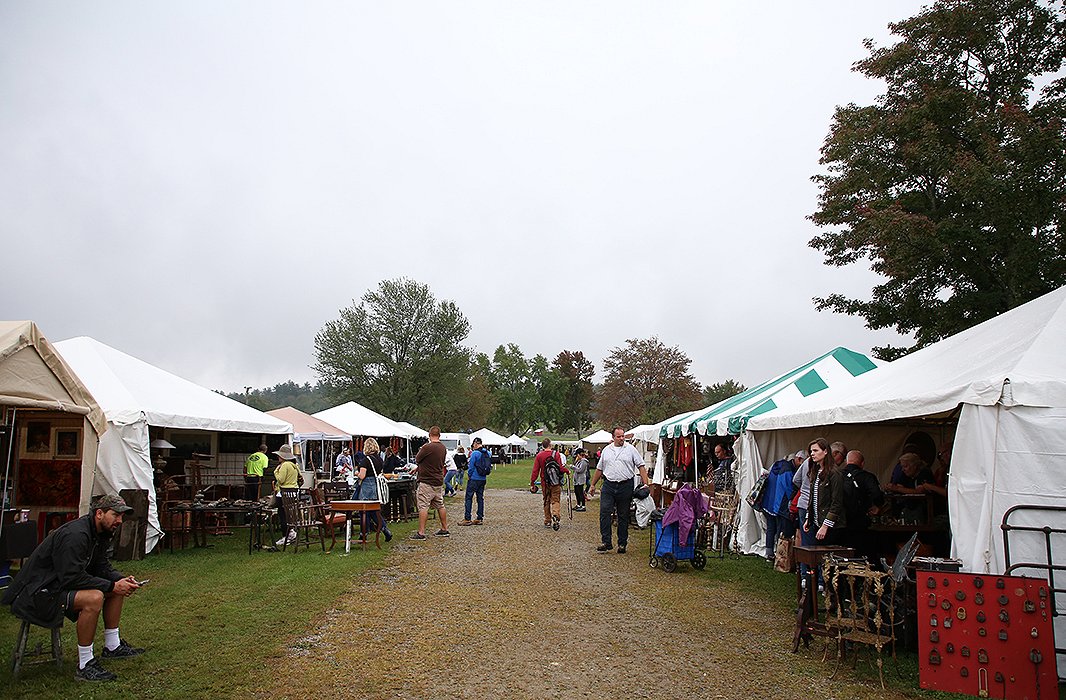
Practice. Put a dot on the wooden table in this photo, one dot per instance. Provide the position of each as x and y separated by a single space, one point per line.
807 622
348 507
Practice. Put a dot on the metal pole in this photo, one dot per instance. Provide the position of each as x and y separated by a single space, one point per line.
7 468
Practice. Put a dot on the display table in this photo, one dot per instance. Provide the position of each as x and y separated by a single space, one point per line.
348 507
807 621
197 522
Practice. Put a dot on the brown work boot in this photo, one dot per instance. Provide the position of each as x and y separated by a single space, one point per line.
466 522
477 522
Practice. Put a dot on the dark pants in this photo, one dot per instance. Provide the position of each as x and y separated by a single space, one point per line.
777 525
579 494
475 487
615 497
251 487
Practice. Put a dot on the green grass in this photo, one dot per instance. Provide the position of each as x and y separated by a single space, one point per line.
510 476
207 619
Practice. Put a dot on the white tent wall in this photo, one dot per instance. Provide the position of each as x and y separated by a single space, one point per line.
880 443
124 449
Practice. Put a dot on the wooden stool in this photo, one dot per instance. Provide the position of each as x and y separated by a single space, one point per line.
20 653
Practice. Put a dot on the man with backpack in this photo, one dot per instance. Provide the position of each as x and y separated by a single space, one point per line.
479 466
862 498
548 467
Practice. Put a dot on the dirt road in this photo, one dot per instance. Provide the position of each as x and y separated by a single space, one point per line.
511 610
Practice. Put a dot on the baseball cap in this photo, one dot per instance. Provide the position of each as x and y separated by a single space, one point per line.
112 502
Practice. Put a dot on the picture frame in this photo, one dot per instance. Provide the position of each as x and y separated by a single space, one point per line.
36 442
67 443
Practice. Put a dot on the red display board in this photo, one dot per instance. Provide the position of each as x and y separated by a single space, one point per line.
989 636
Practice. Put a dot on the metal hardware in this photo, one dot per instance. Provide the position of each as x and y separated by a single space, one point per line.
961 613
982 656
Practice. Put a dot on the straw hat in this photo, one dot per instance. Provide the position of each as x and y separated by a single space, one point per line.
285 453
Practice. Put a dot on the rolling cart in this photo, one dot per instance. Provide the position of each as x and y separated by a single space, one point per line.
665 550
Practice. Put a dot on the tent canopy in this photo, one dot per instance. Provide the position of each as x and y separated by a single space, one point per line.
130 390
600 437
731 416
489 437
413 430
356 419
515 440
307 427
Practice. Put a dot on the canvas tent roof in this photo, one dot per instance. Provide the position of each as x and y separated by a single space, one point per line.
357 419
600 437
731 416
1009 375
488 437
515 440
307 427
34 375
413 430
129 389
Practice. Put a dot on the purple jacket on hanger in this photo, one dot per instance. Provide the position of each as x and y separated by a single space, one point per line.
687 507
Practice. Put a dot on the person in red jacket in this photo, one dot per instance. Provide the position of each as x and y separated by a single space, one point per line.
549 469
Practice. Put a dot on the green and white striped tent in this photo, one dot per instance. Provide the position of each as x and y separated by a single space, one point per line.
787 391
731 416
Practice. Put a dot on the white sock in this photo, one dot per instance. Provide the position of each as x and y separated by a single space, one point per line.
111 639
85 655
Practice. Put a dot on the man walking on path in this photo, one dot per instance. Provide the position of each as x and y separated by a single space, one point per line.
430 494
618 466
253 473
548 467
478 468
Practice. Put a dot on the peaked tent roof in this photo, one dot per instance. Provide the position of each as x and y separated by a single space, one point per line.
515 440
650 433
599 437
1016 355
414 430
307 427
34 375
129 389
731 416
357 419
488 437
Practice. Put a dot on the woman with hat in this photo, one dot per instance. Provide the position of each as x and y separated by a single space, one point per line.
285 477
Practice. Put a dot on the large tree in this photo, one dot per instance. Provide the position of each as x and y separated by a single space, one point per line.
953 184
303 397
527 392
645 382
720 391
398 351
578 372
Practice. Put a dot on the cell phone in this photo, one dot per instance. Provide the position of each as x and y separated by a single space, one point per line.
141 583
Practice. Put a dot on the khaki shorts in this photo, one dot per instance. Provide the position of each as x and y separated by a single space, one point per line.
429 496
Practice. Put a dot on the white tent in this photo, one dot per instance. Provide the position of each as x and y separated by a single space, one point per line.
357 419
515 440
489 438
35 381
134 395
600 437
413 431
1005 379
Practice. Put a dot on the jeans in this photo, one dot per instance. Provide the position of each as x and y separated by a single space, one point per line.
777 525
251 487
615 497
475 487
579 494
450 480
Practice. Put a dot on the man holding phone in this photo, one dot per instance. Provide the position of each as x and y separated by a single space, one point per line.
70 574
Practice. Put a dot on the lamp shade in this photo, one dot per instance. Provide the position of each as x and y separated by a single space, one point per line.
161 444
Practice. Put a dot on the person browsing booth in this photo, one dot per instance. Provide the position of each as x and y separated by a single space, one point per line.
69 574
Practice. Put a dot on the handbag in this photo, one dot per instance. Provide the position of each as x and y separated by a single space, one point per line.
784 557
755 497
383 489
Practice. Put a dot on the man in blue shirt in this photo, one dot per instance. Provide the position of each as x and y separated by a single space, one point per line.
477 472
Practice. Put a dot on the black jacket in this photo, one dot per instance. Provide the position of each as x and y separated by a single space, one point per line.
72 558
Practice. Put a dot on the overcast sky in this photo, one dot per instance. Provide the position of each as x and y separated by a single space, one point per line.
204 184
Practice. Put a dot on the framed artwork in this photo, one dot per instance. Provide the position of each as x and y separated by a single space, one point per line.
67 443
37 440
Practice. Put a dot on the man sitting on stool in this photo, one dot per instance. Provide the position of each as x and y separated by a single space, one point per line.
69 574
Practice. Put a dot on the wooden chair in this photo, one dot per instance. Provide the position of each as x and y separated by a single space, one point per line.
303 518
724 506
330 520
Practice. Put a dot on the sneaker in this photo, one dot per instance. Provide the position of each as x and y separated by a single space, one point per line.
477 522
622 549
604 548
417 536
93 671
547 526
555 522
281 542
388 534
464 523
442 533
579 509
122 651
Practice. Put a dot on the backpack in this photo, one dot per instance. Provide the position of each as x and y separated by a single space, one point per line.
553 473
856 500
484 465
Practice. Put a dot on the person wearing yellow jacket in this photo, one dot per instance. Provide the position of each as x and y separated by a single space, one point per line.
286 476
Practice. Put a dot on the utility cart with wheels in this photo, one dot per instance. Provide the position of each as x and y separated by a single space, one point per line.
666 550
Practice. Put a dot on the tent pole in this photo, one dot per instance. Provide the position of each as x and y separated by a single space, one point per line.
7 467
696 458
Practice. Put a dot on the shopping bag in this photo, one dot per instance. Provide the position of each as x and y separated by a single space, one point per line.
784 557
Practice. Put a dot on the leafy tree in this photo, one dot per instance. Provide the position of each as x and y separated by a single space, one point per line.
952 184
304 397
578 372
720 391
398 351
645 382
527 392
472 406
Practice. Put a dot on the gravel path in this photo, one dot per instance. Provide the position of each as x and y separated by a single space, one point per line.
511 610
